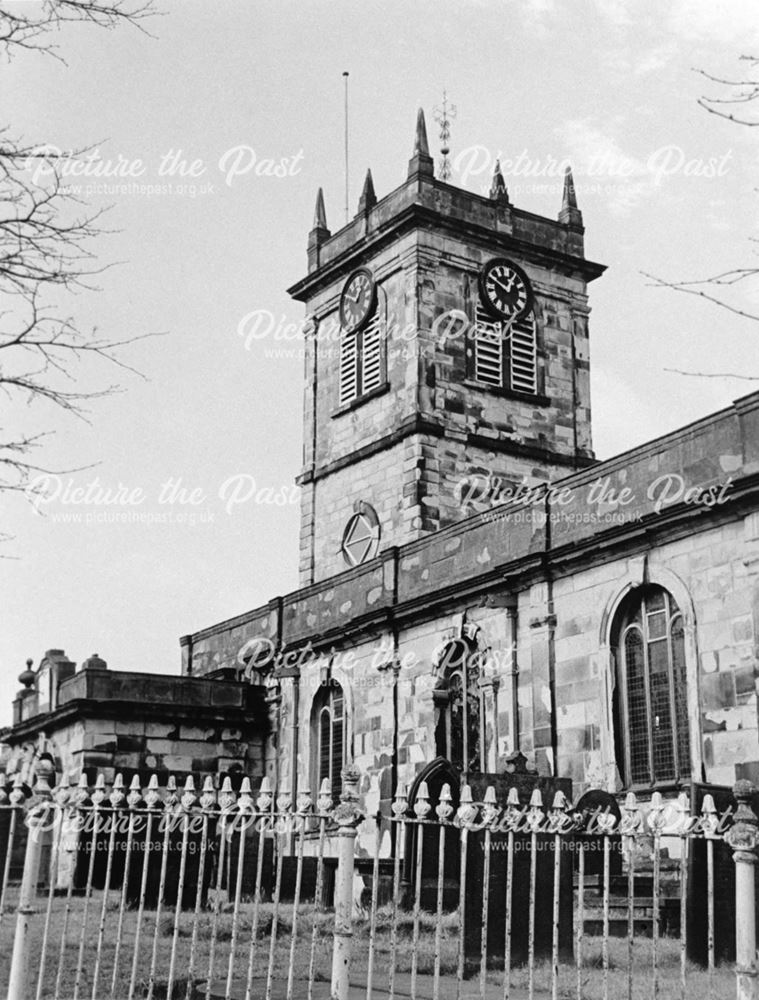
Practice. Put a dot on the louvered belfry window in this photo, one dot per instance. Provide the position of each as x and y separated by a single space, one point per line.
504 354
651 696
361 361
329 712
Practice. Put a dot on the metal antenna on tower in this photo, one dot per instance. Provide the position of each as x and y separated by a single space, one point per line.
345 77
443 115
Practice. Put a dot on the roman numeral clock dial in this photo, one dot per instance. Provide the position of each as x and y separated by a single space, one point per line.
504 289
358 300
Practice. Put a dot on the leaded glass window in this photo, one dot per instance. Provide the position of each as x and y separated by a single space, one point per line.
651 698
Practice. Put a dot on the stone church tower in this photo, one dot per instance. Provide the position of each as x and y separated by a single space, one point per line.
446 356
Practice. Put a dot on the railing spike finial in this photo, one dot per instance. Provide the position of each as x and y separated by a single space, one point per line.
99 793
153 795
117 798
134 798
245 804
227 797
683 822
490 809
17 795
709 816
514 812
324 800
466 814
171 802
81 794
284 802
535 815
400 802
208 796
444 809
61 794
265 796
632 818
656 817
422 802
558 817
188 798
304 802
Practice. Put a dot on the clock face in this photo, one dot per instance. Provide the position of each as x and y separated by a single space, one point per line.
504 289
358 300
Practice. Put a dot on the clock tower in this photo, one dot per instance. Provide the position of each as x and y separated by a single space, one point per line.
446 361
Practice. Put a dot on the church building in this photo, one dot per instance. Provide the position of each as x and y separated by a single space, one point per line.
474 584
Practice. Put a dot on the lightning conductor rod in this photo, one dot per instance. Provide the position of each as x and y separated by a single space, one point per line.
345 77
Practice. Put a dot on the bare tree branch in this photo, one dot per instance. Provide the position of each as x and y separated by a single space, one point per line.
745 91
695 288
46 251
743 378
28 26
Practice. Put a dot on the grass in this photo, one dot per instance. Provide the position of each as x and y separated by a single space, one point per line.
159 934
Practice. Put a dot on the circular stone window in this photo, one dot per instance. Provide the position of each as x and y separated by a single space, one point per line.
361 536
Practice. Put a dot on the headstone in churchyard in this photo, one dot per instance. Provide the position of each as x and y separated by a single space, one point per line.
525 783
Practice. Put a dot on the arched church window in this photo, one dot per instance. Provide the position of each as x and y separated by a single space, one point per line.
328 735
460 711
362 347
650 701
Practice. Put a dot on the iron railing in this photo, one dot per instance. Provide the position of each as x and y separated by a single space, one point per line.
167 892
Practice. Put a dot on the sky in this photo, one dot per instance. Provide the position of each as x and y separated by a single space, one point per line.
173 506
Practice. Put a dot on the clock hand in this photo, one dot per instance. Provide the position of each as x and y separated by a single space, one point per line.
506 288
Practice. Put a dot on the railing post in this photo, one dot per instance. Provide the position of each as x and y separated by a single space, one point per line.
742 838
347 816
21 982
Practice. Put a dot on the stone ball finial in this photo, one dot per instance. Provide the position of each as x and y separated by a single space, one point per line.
27 677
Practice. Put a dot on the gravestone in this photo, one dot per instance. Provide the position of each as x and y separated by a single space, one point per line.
525 783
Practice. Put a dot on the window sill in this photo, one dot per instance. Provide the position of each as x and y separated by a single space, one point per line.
360 400
537 399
